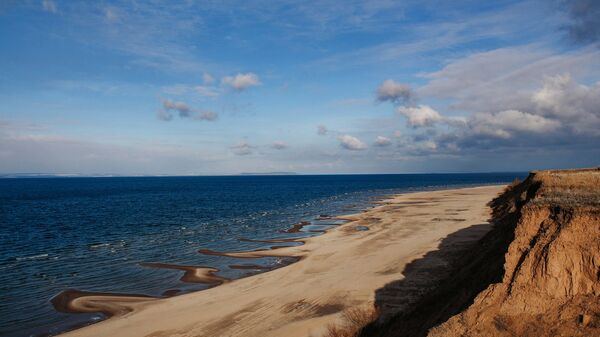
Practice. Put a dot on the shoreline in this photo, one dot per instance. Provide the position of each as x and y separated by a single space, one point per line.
253 269
315 305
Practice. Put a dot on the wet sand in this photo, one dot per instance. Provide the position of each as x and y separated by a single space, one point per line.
192 274
338 270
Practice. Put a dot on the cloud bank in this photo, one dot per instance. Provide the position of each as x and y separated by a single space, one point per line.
560 113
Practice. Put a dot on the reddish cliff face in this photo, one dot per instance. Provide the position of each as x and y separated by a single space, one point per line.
551 281
536 273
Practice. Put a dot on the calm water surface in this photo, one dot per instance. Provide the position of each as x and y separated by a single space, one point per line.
93 233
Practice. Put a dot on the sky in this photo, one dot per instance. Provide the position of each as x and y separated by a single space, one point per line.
155 87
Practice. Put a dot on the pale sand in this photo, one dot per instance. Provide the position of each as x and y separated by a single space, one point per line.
337 270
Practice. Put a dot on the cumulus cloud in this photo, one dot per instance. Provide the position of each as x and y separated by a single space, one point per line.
351 143
395 92
279 145
575 105
382 141
241 82
322 130
184 111
422 115
49 6
585 20
562 97
242 149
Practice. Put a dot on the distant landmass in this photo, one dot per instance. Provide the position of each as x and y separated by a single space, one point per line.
268 173
75 175
57 175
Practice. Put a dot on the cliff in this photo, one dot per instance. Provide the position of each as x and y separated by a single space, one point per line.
536 273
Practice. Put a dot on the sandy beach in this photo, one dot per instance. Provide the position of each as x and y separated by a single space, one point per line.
336 271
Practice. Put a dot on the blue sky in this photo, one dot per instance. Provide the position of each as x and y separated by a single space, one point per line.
223 87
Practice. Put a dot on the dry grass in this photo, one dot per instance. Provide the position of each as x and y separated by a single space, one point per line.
514 183
354 320
569 188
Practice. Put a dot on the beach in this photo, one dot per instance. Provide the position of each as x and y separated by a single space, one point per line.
336 271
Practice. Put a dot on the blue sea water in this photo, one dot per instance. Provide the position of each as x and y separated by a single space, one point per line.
92 233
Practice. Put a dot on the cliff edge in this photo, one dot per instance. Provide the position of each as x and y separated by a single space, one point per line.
536 273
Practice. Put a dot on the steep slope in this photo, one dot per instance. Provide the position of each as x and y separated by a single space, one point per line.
536 273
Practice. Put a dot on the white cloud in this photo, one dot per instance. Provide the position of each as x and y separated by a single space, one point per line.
242 149
561 114
382 141
241 82
562 97
279 145
505 78
351 143
322 130
504 123
395 92
420 116
49 6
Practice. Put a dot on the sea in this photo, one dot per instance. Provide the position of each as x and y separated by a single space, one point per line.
92 234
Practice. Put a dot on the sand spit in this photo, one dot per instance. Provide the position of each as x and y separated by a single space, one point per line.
192 274
336 271
109 304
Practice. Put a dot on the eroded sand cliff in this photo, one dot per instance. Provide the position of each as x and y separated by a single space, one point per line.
537 273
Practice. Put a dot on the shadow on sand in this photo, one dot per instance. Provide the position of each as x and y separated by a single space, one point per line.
442 283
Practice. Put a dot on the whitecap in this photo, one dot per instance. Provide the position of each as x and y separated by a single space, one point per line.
98 245
32 257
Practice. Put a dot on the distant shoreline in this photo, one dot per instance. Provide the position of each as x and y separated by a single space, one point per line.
267 174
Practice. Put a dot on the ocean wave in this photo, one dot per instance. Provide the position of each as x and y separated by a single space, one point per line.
98 245
31 257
